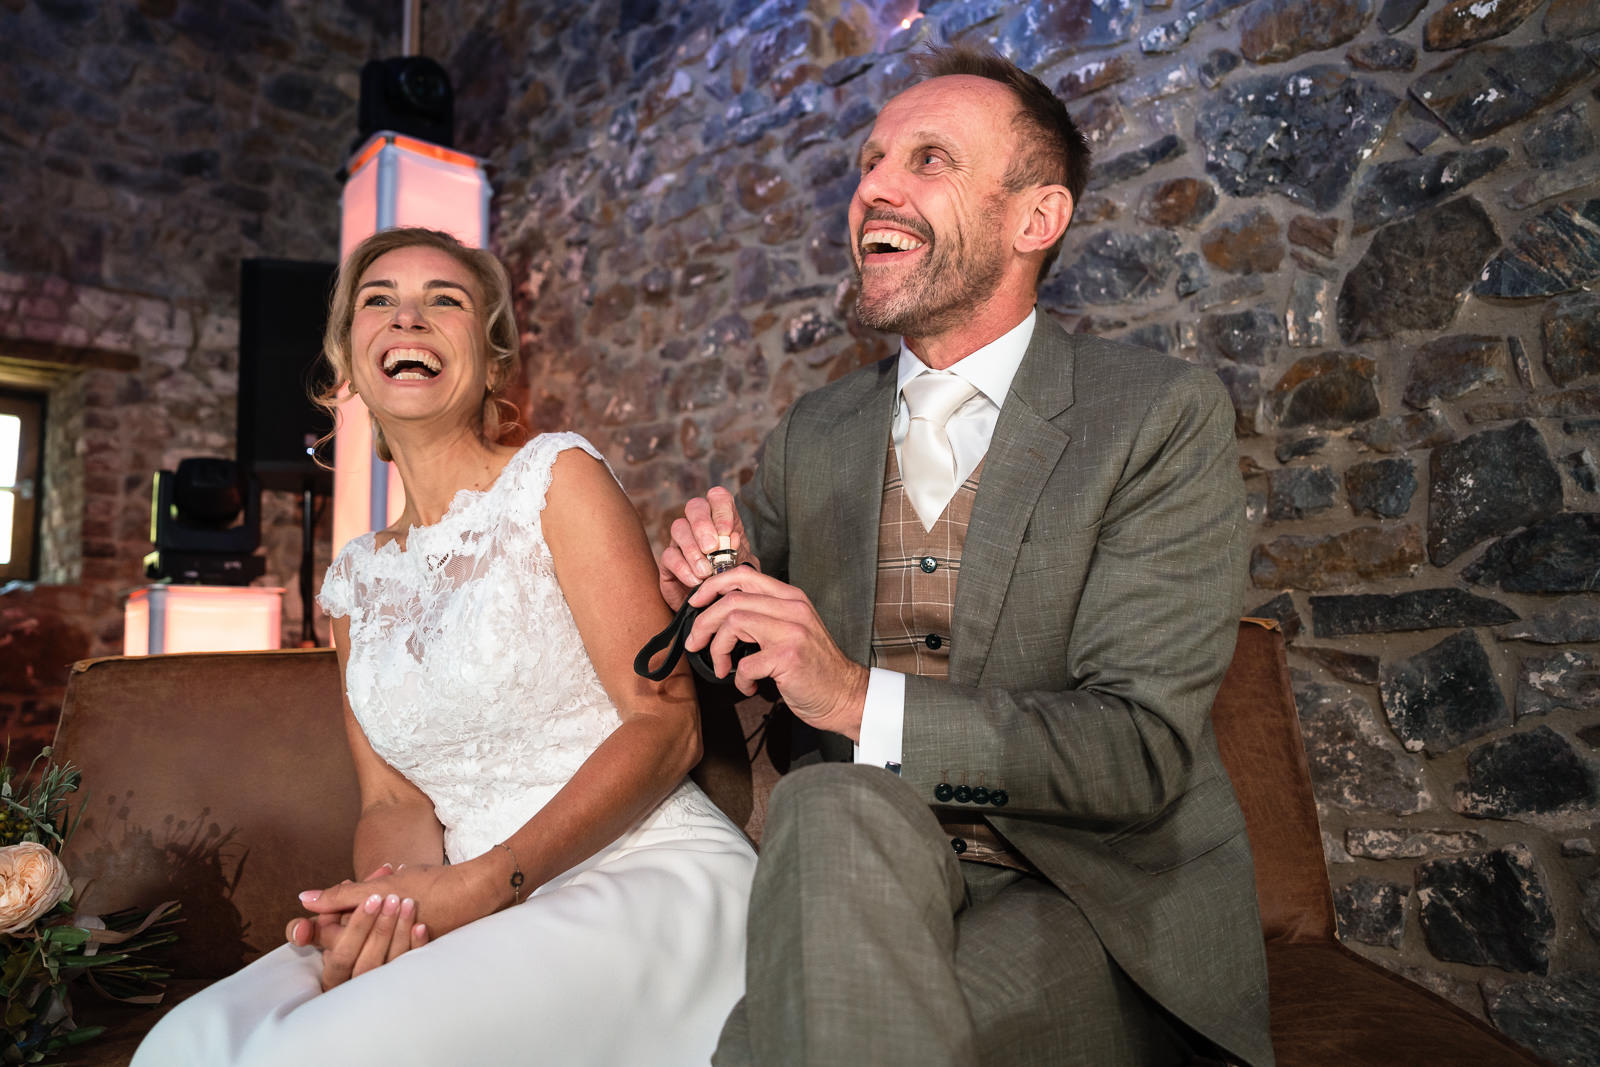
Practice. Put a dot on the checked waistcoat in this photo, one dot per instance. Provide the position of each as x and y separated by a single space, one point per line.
917 573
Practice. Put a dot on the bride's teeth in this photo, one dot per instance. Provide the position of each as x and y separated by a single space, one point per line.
396 356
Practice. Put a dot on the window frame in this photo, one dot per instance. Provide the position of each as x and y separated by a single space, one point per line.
26 513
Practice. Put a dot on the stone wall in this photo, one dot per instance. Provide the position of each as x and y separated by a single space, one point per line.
145 149
1378 220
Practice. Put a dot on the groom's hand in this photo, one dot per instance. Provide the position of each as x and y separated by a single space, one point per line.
821 685
684 563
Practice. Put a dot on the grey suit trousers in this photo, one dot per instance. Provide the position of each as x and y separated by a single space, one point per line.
871 944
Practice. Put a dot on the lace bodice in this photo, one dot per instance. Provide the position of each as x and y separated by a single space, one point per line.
466 670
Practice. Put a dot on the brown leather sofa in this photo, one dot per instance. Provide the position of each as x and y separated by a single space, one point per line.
223 780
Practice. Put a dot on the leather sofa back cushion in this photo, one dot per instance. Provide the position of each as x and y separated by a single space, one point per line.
1258 734
222 780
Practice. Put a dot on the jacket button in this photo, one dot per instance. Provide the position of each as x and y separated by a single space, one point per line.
998 798
963 795
980 795
942 792
958 845
928 564
933 641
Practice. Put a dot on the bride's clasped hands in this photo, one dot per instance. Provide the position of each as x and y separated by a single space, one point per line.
381 926
361 925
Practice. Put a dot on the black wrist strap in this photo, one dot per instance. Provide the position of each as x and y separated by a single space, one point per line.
671 642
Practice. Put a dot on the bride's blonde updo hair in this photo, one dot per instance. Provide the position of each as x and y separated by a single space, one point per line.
494 311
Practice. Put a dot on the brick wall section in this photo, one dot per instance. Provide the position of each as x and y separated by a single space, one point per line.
144 150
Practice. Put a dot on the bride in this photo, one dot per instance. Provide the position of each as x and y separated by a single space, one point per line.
546 885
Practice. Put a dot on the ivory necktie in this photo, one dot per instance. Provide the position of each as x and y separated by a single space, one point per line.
927 462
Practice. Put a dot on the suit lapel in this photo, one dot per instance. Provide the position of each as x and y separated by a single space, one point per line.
1023 453
859 450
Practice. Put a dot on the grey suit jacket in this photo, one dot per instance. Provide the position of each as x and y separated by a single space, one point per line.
1096 611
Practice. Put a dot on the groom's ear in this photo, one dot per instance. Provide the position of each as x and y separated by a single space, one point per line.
1049 210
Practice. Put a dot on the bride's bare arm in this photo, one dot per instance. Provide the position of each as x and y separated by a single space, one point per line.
397 823
397 826
610 581
608 576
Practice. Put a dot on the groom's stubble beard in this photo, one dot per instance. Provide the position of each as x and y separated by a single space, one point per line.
962 271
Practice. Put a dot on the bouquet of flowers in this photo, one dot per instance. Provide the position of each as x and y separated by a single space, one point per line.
47 949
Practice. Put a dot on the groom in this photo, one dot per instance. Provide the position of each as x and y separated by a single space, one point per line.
1001 573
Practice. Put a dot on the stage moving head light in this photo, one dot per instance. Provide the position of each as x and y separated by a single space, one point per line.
205 523
207 494
410 95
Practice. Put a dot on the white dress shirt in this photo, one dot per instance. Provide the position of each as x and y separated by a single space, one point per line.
990 369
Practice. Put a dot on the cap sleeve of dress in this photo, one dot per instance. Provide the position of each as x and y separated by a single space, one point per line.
337 596
526 502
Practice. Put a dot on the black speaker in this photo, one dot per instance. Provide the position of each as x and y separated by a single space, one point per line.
410 95
283 310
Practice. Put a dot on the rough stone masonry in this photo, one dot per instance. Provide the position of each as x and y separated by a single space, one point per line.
1378 221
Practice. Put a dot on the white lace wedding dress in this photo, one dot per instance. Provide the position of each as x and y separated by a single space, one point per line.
467 674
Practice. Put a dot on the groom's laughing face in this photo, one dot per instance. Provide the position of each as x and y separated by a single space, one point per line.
928 219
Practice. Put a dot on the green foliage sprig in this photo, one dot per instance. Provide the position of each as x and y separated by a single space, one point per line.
47 950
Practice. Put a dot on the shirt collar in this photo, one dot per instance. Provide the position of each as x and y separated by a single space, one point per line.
990 368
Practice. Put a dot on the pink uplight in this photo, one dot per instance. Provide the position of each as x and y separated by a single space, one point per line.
201 618
395 180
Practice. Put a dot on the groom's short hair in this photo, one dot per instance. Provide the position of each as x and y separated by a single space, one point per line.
1053 151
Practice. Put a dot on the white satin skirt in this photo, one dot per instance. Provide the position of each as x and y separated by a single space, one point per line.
634 957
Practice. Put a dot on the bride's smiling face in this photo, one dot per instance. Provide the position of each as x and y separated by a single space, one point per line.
417 344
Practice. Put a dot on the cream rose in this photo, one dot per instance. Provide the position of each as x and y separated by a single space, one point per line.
31 881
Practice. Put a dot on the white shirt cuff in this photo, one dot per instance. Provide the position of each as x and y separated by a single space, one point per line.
882 717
